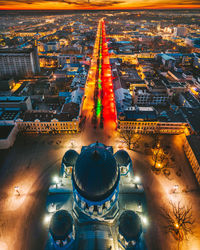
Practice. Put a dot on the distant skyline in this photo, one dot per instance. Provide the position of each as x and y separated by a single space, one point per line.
97 4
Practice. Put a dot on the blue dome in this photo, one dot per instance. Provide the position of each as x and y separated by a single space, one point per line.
61 225
96 174
70 157
122 158
130 226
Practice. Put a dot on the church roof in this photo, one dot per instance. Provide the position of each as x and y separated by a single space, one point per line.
96 174
61 225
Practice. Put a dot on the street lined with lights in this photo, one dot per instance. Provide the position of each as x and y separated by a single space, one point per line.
98 105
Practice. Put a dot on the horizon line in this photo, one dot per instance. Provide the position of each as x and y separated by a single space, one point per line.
145 8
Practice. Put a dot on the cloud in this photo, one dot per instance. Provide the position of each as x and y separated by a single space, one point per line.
70 2
97 3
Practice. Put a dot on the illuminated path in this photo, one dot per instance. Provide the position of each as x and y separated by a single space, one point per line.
108 100
98 108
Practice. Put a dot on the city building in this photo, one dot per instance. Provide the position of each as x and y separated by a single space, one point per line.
7 135
192 150
8 116
146 120
63 59
186 99
52 46
6 85
192 116
19 102
19 62
180 31
146 97
168 61
196 62
48 122
48 61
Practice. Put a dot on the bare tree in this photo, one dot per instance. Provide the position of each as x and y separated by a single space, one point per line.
178 220
127 135
156 139
159 156
130 137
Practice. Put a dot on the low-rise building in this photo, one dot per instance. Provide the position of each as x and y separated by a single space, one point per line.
145 120
144 97
192 151
7 135
47 122
188 100
192 116
8 117
20 102
6 85
168 61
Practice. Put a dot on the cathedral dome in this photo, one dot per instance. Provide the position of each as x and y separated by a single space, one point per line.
130 226
122 158
96 174
70 157
61 225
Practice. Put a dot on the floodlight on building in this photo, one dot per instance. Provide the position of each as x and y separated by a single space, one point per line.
137 179
56 179
144 220
47 219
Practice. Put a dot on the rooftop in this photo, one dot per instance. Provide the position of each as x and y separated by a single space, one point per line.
12 98
16 51
171 116
5 130
167 57
46 116
96 174
192 116
191 99
8 115
144 113
194 142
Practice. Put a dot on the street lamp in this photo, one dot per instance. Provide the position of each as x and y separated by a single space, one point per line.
177 228
176 225
144 220
56 180
47 219
137 179
158 165
175 187
17 190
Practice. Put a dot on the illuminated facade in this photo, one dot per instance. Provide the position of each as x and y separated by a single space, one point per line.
149 127
192 150
47 122
54 125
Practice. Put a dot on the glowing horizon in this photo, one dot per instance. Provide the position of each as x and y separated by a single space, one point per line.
97 4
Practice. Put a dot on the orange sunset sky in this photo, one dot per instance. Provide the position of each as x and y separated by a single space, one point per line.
97 4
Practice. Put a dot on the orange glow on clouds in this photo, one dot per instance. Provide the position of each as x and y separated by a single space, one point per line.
96 4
